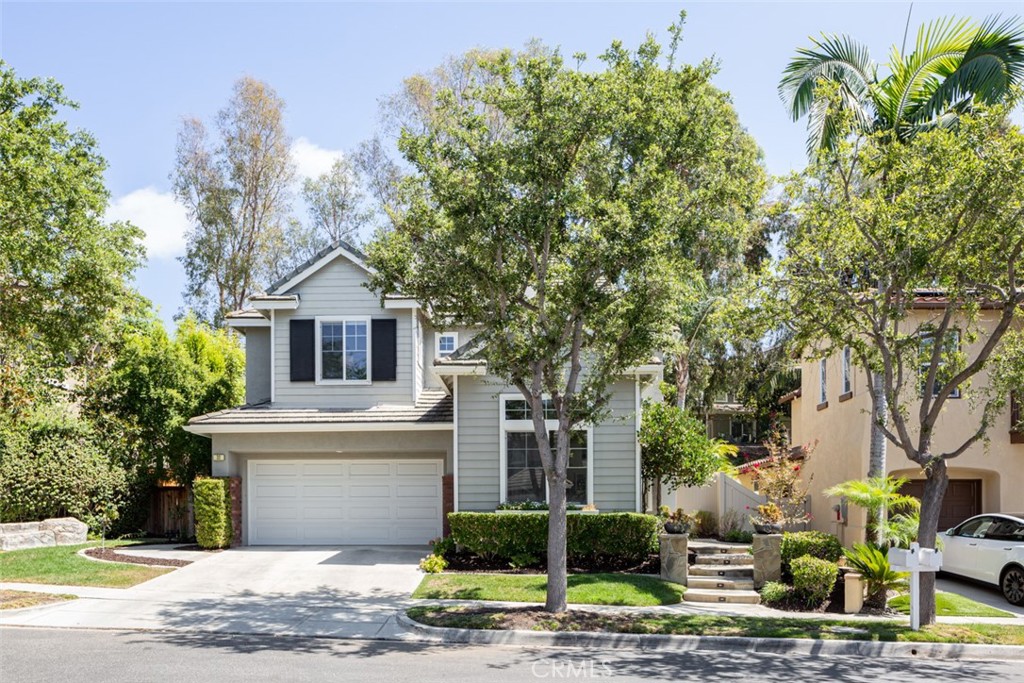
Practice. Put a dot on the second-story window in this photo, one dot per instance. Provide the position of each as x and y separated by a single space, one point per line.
947 361
823 382
847 370
343 350
447 342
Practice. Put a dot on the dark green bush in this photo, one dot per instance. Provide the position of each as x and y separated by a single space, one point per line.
813 579
738 536
213 512
814 543
590 538
444 546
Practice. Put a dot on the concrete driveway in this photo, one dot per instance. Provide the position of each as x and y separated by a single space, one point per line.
345 591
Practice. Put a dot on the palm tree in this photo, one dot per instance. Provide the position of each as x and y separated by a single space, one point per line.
876 495
954 65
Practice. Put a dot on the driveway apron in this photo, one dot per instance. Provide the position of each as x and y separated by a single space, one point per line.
344 591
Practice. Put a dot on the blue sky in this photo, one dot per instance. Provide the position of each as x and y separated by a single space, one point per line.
137 68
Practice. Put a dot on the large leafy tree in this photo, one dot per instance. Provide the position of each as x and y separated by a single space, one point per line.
237 196
939 221
61 265
545 204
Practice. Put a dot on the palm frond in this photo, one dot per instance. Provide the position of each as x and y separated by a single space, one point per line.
834 59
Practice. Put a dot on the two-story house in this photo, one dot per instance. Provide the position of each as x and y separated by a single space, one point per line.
833 408
365 424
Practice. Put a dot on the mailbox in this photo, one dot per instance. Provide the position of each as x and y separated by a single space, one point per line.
915 559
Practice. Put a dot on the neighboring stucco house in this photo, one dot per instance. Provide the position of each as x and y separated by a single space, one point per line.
833 408
365 424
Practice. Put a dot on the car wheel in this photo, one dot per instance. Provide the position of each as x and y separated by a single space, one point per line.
1013 585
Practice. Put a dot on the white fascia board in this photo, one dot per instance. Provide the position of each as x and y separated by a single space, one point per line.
401 304
461 370
656 369
242 323
298 427
340 251
275 304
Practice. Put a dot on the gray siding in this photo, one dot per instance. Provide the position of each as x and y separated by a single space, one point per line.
337 290
613 469
257 364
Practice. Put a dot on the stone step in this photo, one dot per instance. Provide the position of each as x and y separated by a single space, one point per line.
722 571
730 559
706 548
720 583
720 596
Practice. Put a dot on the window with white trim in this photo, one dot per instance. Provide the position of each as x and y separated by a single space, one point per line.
447 342
943 372
343 350
847 370
823 382
521 468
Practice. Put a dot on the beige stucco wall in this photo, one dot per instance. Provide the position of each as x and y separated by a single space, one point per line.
842 431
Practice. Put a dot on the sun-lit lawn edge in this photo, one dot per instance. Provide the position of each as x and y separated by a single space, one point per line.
63 566
584 589
951 605
702 625
21 599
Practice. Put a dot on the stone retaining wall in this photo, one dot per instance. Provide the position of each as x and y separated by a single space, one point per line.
49 532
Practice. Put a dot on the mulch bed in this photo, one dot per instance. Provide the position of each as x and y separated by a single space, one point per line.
196 548
112 555
472 563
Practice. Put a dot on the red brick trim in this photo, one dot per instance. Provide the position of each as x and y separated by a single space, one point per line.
447 501
235 492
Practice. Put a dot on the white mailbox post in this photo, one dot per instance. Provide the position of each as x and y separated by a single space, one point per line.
915 560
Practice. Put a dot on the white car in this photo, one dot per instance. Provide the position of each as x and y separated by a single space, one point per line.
989 548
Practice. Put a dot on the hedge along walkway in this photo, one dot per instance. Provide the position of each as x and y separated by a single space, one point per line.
584 589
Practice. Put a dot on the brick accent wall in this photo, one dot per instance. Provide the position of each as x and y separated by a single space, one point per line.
235 491
447 501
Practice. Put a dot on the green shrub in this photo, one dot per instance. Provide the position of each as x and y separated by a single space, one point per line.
777 595
213 512
433 564
590 538
705 525
53 464
444 546
813 579
817 544
738 536
873 565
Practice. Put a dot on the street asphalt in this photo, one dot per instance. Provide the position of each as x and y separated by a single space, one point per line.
28 655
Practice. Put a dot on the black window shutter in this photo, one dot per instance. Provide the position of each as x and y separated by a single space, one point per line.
302 349
384 339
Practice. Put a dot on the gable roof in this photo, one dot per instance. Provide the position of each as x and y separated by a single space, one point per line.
318 261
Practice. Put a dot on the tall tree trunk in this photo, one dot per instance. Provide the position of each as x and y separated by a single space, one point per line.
876 460
682 379
931 505
558 578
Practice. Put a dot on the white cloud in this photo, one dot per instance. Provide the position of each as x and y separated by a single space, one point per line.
164 221
311 160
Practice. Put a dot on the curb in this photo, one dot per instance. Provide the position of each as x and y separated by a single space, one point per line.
631 641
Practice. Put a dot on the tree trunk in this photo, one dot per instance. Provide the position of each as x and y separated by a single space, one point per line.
931 505
682 379
558 579
876 461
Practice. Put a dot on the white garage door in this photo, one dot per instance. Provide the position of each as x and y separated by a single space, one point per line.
335 502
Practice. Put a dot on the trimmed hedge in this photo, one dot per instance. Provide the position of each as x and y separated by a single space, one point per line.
814 579
590 538
817 544
213 512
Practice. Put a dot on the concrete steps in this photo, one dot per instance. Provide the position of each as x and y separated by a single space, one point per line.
722 573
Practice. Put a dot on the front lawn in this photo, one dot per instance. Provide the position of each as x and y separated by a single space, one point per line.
584 589
531 618
20 599
62 566
951 605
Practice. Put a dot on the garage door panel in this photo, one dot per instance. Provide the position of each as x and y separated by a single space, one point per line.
344 502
